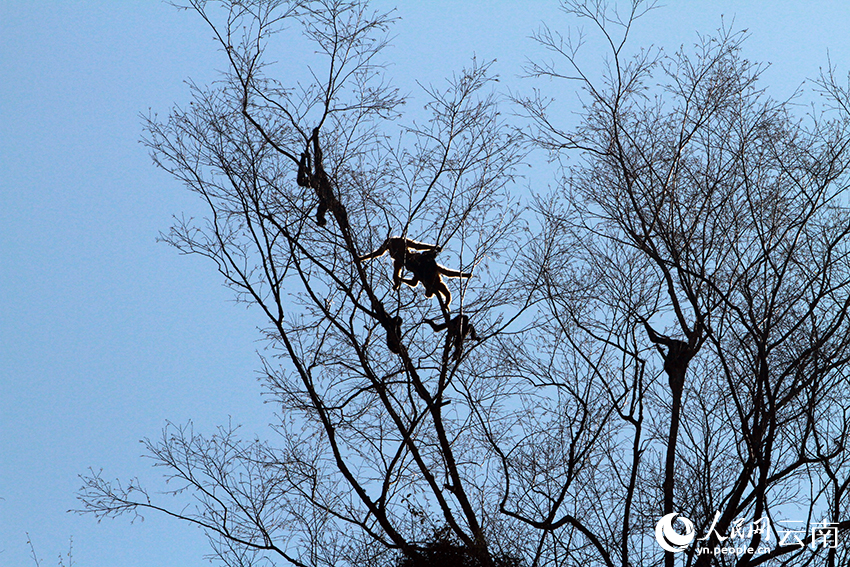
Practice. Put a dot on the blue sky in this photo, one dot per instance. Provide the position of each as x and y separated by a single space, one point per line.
104 333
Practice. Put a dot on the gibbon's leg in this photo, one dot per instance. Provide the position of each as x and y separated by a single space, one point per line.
458 329
434 285
437 327
424 269
412 282
458 340
318 181
464 330
450 334
429 291
455 335
320 212
322 184
443 290
398 265
329 202
441 287
427 271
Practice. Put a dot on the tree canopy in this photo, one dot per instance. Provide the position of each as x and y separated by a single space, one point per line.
663 332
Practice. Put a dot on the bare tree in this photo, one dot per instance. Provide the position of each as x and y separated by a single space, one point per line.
374 453
698 283
667 337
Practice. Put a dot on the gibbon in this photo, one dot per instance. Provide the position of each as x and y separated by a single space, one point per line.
458 328
311 173
423 266
425 269
678 355
398 249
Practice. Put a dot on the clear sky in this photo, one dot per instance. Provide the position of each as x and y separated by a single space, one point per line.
104 333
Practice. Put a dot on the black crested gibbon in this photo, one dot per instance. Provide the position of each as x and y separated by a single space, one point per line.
458 329
311 173
678 354
423 266
394 335
398 249
425 269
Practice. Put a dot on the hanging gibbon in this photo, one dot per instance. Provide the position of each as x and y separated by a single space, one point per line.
458 329
423 266
311 173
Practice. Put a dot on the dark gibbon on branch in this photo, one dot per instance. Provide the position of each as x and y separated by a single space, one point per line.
399 249
311 173
678 353
458 329
423 266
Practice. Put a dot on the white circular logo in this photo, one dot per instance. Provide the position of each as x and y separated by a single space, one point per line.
671 540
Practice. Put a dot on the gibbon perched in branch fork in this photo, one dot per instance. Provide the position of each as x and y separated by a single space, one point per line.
423 266
311 173
679 353
458 328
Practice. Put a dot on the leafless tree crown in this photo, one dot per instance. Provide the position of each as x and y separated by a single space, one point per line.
665 332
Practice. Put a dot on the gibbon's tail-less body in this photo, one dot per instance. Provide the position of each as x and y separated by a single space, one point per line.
398 250
423 265
311 173
458 329
426 270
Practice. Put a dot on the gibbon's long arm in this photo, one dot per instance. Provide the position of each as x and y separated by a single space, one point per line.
398 247
416 245
437 326
375 253
655 337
